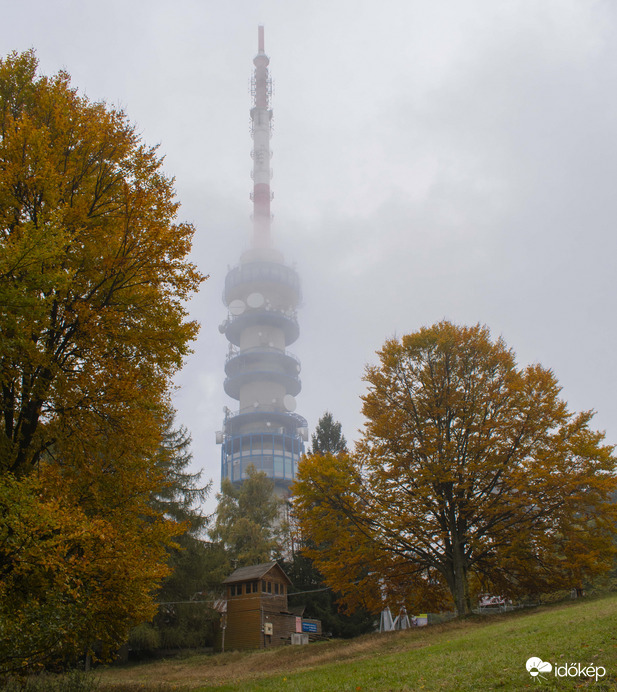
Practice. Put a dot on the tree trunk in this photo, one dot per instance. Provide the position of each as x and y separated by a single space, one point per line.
460 585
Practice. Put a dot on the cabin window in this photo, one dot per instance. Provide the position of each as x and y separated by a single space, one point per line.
276 589
255 587
263 585
269 587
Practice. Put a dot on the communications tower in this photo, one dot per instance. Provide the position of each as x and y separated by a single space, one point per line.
261 295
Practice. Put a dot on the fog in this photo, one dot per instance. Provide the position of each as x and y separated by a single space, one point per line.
431 160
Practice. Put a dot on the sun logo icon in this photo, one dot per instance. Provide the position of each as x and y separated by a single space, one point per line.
536 666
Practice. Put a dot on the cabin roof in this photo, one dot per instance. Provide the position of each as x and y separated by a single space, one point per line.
297 610
255 572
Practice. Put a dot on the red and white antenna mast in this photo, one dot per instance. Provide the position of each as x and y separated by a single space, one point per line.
262 294
261 128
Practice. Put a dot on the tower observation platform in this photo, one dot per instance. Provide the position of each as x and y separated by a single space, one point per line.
262 294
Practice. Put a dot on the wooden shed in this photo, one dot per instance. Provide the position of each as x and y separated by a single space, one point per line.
257 612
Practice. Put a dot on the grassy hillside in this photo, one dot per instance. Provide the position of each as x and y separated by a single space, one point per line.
486 653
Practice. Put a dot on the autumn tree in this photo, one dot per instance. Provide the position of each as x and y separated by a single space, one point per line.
248 520
320 601
93 269
328 436
472 475
93 326
72 582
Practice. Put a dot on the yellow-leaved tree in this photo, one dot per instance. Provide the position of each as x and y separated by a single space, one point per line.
471 477
93 278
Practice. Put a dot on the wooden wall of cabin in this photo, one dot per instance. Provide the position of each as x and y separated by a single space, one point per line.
252 603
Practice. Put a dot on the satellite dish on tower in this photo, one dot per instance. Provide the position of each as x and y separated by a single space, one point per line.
289 402
237 307
255 300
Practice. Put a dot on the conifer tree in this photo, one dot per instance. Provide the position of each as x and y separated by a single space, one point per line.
248 520
328 437
181 496
185 617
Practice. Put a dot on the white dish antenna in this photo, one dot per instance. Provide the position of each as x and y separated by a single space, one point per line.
255 300
289 402
237 307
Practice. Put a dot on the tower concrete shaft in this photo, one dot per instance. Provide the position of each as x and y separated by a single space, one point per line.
262 294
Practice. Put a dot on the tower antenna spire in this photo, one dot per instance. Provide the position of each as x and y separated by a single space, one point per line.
261 129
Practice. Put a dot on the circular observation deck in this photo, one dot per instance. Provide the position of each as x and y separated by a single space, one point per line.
258 276
262 358
285 321
266 420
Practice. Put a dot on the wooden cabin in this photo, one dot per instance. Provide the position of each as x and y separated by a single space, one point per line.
258 616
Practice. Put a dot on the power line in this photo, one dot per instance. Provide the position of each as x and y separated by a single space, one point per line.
297 593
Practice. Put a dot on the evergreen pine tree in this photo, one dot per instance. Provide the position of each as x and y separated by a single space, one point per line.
328 437
185 618
248 520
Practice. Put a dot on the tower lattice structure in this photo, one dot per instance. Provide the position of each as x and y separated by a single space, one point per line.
262 294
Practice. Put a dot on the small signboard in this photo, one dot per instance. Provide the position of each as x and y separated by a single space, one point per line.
309 627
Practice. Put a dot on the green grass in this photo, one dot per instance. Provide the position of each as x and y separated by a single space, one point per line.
487 653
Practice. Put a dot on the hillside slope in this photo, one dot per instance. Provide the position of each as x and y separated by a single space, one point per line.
486 653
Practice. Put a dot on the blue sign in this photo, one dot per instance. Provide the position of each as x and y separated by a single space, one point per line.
309 627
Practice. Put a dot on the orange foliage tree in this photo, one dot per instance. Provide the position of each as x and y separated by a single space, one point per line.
472 476
93 279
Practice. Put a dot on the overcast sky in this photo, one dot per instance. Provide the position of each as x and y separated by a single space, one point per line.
432 159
